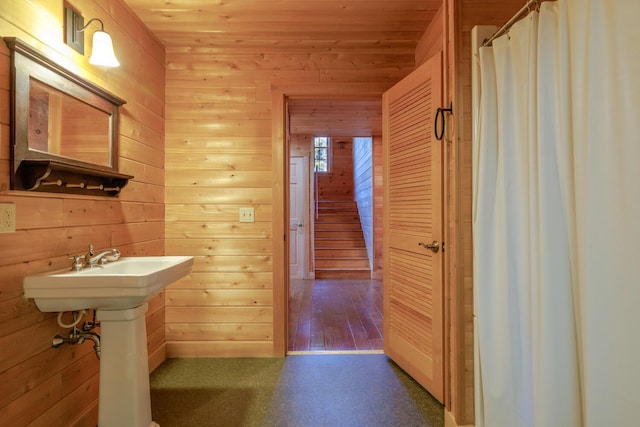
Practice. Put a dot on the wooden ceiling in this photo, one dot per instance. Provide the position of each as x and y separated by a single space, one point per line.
380 25
336 117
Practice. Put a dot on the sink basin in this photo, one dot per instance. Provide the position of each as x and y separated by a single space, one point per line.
123 284
118 291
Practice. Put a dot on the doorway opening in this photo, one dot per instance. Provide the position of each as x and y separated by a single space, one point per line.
328 312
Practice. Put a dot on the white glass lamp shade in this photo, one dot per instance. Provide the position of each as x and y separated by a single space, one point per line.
102 50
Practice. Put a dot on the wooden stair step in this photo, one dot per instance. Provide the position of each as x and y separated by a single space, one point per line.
338 233
338 226
338 218
338 243
336 204
346 263
333 252
340 251
332 211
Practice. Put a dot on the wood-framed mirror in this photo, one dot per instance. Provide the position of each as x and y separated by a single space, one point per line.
64 129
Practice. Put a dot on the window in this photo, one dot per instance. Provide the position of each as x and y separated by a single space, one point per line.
321 150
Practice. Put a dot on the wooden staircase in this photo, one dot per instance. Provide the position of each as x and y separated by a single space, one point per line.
340 251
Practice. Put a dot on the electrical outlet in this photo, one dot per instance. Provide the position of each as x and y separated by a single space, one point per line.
247 215
7 218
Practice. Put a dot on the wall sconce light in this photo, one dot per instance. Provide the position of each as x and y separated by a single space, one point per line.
102 48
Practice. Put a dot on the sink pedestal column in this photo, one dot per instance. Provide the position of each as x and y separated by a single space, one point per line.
124 399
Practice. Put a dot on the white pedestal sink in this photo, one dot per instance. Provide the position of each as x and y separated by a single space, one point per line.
119 292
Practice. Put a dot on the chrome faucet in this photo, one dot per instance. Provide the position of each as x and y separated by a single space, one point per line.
93 260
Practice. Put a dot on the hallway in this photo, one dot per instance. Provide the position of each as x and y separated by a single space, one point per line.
335 315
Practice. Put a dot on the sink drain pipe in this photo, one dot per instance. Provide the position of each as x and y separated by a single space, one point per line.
77 336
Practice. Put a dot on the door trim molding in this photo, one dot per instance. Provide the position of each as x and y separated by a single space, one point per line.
280 216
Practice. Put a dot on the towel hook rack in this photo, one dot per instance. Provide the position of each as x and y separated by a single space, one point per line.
440 113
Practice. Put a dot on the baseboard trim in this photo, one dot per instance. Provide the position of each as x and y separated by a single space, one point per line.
157 357
450 421
325 352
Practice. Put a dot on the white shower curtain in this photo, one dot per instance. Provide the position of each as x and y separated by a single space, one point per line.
556 219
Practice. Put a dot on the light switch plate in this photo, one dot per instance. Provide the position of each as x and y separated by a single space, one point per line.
247 215
7 218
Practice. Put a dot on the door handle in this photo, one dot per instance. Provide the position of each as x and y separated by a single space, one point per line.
299 224
433 246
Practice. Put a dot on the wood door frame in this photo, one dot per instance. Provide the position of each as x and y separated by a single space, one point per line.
280 184
280 221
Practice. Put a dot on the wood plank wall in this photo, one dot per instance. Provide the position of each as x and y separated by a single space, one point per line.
459 17
40 385
363 190
219 159
337 183
378 203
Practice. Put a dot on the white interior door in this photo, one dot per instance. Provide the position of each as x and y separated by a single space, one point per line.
297 226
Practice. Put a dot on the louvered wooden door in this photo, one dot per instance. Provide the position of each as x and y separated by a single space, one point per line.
413 295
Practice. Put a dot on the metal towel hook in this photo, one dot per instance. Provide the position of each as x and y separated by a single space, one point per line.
440 113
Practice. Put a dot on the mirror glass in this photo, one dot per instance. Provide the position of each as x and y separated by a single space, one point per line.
65 126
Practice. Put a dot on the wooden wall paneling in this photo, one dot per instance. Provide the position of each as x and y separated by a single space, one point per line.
243 179
223 162
225 195
78 373
18 313
337 183
30 405
221 232
23 377
363 192
137 152
211 172
220 297
136 137
226 280
225 129
223 215
42 385
86 418
199 348
432 40
212 315
336 117
220 332
84 212
65 410
12 274
378 203
460 17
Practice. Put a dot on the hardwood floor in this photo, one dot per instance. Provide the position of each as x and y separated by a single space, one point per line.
335 315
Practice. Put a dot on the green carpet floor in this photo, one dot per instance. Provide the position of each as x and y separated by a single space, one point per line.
296 391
